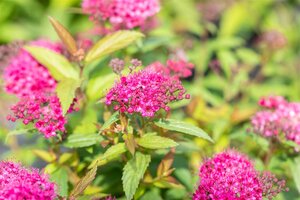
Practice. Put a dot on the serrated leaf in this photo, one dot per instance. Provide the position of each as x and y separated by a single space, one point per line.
64 35
113 118
84 182
180 126
60 177
111 43
58 66
156 142
65 91
111 153
82 140
133 172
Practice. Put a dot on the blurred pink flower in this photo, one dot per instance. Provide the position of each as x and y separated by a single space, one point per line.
145 92
177 68
24 75
279 117
272 102
35 87
121 13
231 175
17 182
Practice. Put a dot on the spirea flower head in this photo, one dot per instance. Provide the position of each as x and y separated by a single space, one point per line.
176 68
272 102
145 92
43 110
18 182
121 13
278 117
231 176
24 75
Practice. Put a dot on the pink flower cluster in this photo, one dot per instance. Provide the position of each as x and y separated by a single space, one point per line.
121 13
231 175
24 75
145 92
279 117
176 68
17 182
272 102
33 84
44 111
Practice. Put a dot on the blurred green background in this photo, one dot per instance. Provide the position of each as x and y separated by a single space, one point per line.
242 49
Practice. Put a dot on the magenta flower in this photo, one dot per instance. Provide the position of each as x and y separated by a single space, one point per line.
272 102
279 117
145 92
231 175
121 13
18 182
24 75
42 110
176 68
35 87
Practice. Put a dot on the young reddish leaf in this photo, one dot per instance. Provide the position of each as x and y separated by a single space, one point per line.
65 36
166 163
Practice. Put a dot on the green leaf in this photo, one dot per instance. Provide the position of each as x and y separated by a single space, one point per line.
98 87
153 194
295 168
84 183
58 66
180 126
176 194
111 43
156 142
88 121
18 132
113 118
133 172
44 155
111 153
65 90
228 61
60 177
82 140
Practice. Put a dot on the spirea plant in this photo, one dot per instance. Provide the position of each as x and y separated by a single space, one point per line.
145 109
51 82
